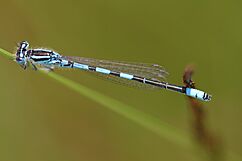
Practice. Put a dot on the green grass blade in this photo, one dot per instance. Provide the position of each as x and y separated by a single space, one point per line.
154 124
147 121
6 54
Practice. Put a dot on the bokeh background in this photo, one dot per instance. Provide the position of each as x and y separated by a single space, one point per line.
42 120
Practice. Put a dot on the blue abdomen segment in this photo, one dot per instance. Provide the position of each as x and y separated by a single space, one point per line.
80 66
126 76
102 70
195 93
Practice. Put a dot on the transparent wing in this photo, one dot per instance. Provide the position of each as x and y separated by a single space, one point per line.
148 71
122 81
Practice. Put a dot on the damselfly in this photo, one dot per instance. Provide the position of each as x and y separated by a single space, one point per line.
148 75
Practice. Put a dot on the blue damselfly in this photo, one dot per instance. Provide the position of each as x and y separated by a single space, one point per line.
138 74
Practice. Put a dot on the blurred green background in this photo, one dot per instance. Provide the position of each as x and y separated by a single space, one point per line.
41 120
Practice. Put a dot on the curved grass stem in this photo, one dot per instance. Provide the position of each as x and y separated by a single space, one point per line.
153 124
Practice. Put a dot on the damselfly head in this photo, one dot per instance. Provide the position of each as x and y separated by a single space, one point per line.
21 53
23 45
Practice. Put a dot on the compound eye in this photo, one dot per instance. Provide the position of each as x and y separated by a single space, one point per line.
24 44
19 60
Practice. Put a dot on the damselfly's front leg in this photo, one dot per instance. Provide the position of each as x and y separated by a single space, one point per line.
33 65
